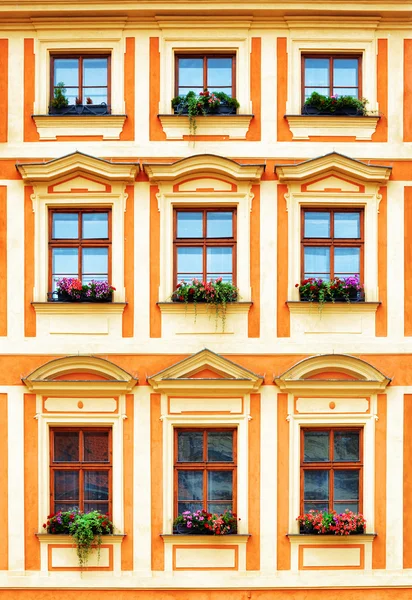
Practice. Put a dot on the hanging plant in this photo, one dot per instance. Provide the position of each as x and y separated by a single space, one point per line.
195 105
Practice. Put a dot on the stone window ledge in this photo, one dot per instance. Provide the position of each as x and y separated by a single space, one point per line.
299 307
303 127
50 127
234 127
202 307
78 308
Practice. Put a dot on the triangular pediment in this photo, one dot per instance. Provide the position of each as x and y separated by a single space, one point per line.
79 184
205 371
75 164
333 183
330 164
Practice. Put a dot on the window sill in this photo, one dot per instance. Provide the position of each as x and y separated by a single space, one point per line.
340 552
302 307
303 127
78 308
62 538
233 127
202 307
108 127
238 538
297 538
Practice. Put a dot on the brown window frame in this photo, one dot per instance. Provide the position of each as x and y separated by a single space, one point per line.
331 57
204 242
331 465
80 242
81 56
204 466
80 466
205 57
331 241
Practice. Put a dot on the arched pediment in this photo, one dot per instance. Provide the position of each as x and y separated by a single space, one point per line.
341 374
77 163
206 372
81 374
202 165
333 163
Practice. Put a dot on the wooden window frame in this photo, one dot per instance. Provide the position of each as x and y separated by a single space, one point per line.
204 466
331 57
331 465
80 242
204 242
205 57
81 56
80 466
331 241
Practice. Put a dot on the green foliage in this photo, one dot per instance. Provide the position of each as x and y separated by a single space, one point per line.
60 99
336 104
319 290
205 103
206 523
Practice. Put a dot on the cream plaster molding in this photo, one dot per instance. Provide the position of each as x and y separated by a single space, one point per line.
203 164
204 540
43 380
77 162
234 127
98 22
202 308
50 127
333 163
206 22
303 308
364 377
79 308
304 126
319 539
326 22
50 538
230 377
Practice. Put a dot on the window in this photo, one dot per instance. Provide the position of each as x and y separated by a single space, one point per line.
79 245
198 72
205 470
332 243
80 469
331 74
204 244
84 77
331 469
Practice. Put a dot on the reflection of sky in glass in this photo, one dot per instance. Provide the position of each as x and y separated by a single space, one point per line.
219 224
316 72
95 261
190 260
189 224
219 72
65 226
65 260
219 260
66 70
95 225
191 72
347 260
94 71
98 95
317 224
316 260
347 225
345 72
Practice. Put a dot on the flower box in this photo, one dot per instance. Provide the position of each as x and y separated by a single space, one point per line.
320 290
222 109
317 104
81 109
70 289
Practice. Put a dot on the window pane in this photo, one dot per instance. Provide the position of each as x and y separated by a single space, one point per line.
189 263
220 446
317 261
65 261
219 72
65 226
323 506
347 225
97 95
190 446
189 224
66 485
190 485
219 485
346 446
66 70
340 507
95 264
219 261
317 72
317 225
182 91
316 485
345 72
96 446
219 224
346 91
346 485
347 261
103 507
192 506
323 91
219 507
95 225
94 71
191 72
66 446
316 446
63 506
96 485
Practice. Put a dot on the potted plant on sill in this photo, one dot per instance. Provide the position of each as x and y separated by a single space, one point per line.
215 292
348 289
201 522
332 523
205 103
70 289
60 102
86 529
317 104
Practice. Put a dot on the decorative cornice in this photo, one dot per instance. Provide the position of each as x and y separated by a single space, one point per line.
78 308
181 307
77 162
300 308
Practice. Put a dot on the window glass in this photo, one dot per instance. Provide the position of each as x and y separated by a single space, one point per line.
347 261
219 74
316 485
66 70
317 224
95 264
189 263
317 72
346 488
347 225
189 224
219 263
95 225
190 485
96 485
346 446
66 485
345 72
94 72
65 262
190 74
83 77
220 446
316 446
65 226
66 446
190 446
219 224
317 261
219 491
96 446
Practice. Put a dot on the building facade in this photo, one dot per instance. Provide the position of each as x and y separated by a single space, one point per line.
143 407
